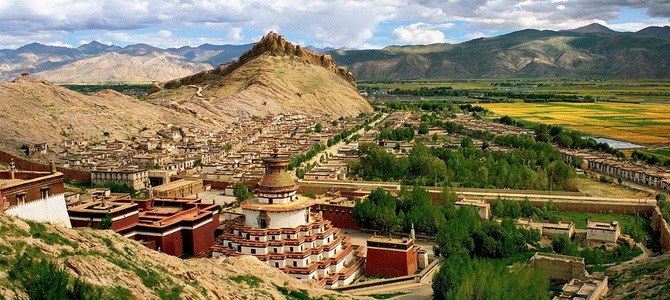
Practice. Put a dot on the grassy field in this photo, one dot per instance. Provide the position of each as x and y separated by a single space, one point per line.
617 90
596 188
637 123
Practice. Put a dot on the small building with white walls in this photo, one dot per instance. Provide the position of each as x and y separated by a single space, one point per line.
37 196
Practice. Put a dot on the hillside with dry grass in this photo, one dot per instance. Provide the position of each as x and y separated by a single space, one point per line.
34 111
275 76
41 260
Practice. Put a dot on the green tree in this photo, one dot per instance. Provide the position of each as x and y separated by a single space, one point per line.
318 128
467 143
423 128
241 192
107 222
564 245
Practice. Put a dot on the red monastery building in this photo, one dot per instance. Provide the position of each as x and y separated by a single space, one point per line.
279 229
175 226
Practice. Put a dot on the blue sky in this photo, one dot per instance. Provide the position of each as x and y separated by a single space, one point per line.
321 23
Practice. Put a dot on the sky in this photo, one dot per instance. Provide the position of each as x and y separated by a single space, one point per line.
320 23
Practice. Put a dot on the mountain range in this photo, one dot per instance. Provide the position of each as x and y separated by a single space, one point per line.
590 51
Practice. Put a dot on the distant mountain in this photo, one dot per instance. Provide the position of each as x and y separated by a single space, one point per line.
269 78
96 47
525 53
655 31
589 51
119 66
594 28
94 62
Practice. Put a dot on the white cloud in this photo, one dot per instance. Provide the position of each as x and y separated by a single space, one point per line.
338 23
420 33
635 26
235 35
58 44
475 35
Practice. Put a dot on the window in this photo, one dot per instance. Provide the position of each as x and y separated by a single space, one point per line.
44 192
295 264
21 198
275 250
276 264
273 237
253 251
256 238
291 249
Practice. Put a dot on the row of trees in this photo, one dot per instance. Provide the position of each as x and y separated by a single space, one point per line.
300 158
526 97
537 166
346 133
649 159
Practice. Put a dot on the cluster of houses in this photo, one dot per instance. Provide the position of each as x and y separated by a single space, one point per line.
233 153
656 177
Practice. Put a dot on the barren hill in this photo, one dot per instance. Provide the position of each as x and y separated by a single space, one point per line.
123 67
114 267
33 111
273 77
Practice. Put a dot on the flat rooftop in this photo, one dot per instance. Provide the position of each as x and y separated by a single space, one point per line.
377 239
602 225
97 207
174 184
554 256
338 201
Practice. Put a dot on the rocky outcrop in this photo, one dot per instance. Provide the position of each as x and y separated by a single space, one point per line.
272 44
274 76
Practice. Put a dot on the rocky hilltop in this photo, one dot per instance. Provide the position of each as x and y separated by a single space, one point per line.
35 111
39 259
274 76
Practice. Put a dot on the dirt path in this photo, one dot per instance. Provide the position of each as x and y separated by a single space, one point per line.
646 253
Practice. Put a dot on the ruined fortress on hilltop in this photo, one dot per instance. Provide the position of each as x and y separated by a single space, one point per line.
272 44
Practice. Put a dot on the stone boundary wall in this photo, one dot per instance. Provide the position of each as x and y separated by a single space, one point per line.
381 282
79 175
661 225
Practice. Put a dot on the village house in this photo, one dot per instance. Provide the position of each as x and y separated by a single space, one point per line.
604 231
37 196
137 179
483 207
